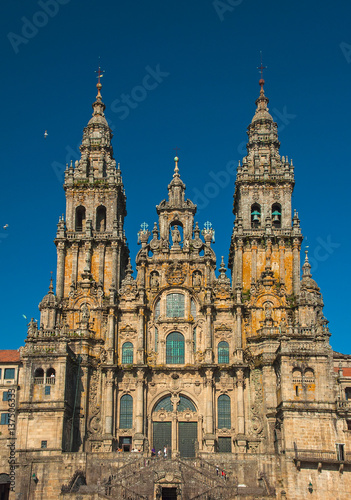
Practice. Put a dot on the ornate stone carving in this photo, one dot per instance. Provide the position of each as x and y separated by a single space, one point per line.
129 289
256 409
175 274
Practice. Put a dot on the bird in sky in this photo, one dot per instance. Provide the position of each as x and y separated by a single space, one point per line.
45 134
5 226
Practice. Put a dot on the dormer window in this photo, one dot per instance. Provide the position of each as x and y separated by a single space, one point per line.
276 215
255 215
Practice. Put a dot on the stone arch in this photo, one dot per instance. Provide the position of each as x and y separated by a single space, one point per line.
101 218
80 217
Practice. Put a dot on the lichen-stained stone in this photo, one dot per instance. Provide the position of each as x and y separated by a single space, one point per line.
172 378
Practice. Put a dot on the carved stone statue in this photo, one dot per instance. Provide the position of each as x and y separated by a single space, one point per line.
154 280
85 312
176 236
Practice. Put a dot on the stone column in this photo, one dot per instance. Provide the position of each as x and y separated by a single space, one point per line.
110 339
88 256
209 352
109 403
254 260
101 262
269 253
118 270
240 262
139 411
140 340
209 435
175 437
296 266
162 351
75 248
238 328
282 261
209 402
60 274
240 400
114 265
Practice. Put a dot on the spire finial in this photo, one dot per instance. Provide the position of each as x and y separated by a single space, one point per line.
100 73
306 268
176 169
261 68
176 159
51 286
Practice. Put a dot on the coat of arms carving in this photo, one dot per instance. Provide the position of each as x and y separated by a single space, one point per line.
175 274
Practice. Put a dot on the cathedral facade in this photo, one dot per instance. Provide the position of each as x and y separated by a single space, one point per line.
181 382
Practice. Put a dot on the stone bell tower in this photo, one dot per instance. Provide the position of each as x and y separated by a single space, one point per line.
265 245
78 324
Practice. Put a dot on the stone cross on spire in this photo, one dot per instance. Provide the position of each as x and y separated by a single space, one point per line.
261 68
100 73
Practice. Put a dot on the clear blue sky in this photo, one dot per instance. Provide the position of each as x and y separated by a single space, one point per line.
206 53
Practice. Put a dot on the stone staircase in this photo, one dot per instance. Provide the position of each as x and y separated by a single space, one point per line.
195 479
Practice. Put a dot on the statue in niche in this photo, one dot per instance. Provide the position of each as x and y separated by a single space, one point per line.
196 279
268 310
85 313
154 280
176 236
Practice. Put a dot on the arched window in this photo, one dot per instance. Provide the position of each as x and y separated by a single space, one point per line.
39 376
308 376
50 376
194 339
255 215
80 218
175 349
164 404
101 218
175 305
223 352
185 404
297 381
126 412
276 215
127 353
156 339
157 309
224 417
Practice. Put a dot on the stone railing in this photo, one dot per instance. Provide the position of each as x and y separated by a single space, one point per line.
343 405
320 457
122 492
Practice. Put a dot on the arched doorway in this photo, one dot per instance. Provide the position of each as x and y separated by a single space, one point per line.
174 426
